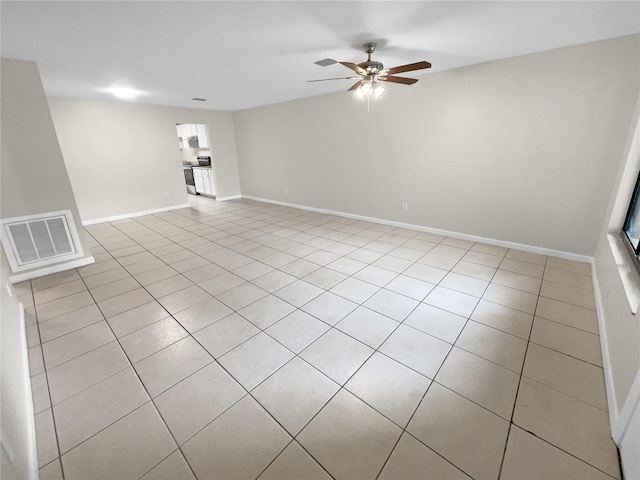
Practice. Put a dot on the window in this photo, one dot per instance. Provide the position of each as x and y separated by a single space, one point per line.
631 228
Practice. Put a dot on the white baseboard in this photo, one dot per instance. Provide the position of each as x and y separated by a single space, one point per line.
134 214
32 448
624 419
60 267
232 197
612 400
447 233
616 420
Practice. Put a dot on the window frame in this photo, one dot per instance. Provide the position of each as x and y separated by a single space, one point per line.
634 252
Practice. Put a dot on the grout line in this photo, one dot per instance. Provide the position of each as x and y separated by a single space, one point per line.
227 219
247 392
397 273
46 376
150 397
515 401
427 391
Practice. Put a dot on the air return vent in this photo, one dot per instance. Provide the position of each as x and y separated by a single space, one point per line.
326 62
39 240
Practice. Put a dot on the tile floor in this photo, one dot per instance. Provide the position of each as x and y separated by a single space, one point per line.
242 340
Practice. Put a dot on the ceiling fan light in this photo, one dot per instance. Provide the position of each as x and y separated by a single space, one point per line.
366 89
378 89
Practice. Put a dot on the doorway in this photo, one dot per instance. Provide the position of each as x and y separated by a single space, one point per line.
194 143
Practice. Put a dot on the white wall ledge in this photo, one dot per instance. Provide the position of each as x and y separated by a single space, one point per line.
629 275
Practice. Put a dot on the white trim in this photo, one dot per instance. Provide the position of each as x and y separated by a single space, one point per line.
628 273
32 453
7 448
463 236
615 419
135 214
41 272
232 197
624 419
30 448
612 401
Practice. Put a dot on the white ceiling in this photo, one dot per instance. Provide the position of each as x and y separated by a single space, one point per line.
241 54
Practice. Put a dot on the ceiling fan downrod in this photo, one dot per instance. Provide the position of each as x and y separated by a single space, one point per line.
369 48
371 66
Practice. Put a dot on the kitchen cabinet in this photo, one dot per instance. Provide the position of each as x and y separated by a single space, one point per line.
212 184
203 139
193 135
198 179
204 180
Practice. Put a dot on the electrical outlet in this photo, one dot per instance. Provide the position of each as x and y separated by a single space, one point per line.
286 191
167 194
405 206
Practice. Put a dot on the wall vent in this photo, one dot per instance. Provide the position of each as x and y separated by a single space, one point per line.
38 240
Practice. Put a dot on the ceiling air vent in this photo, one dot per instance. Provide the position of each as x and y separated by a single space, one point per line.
326 62
39 240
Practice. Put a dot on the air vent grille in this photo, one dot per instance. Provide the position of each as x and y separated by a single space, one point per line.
326 62
39 240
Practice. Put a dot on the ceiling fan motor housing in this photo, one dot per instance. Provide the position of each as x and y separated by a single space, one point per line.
371 66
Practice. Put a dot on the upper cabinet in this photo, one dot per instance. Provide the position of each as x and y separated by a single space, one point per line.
203 138
192 135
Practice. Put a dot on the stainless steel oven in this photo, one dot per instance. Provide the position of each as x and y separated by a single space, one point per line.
189 180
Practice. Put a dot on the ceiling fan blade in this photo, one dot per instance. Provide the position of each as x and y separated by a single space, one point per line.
406 68
404 81
354 86
354 67
335 78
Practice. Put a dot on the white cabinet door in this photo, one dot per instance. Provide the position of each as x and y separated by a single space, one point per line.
182 136
207 182
199 180
203 178
203 140
212 183
190 130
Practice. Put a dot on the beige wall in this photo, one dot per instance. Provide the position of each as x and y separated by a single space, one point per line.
622 327
34 177
521 150
123 157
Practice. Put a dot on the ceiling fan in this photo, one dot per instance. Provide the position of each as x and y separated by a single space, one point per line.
370 73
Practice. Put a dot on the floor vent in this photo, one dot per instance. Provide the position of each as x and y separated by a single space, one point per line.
39 240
